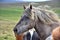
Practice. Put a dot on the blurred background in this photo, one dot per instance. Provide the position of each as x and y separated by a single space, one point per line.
11 12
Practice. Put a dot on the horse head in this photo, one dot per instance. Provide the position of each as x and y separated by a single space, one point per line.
26 22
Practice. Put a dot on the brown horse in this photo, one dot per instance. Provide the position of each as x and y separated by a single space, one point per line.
56 33
43 20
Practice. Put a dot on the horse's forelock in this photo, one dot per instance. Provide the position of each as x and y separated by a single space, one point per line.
29 12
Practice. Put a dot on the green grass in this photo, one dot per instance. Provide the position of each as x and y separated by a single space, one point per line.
57 10
10 14
8 18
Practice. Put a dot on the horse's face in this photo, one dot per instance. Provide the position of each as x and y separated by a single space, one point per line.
26 22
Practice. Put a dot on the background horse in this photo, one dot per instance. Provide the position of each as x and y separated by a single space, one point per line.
56 33
43 20
29 35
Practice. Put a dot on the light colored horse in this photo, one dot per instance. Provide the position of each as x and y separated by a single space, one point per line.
43 20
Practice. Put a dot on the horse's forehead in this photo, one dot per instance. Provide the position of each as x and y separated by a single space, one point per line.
27 9
25 17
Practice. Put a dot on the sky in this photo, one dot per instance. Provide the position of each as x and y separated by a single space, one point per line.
22 0
34 0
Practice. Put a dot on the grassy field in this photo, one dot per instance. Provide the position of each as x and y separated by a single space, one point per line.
8 19
57 11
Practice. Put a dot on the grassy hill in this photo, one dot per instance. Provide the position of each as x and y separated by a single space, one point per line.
8 18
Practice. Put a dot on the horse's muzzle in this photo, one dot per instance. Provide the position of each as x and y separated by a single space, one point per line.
16 31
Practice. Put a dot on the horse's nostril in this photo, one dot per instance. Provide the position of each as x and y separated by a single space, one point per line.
15 30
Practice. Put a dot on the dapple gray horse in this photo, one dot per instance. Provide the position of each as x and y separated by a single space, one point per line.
44 21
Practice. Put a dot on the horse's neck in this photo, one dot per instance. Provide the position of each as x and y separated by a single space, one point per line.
54 25
39 29
45 30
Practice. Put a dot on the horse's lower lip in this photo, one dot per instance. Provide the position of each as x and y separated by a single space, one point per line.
19 37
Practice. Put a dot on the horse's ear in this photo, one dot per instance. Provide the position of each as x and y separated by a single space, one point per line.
30 6
24 6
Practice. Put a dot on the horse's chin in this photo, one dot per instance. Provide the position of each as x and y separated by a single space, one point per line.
19 37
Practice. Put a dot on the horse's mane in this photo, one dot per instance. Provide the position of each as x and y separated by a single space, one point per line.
45 15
